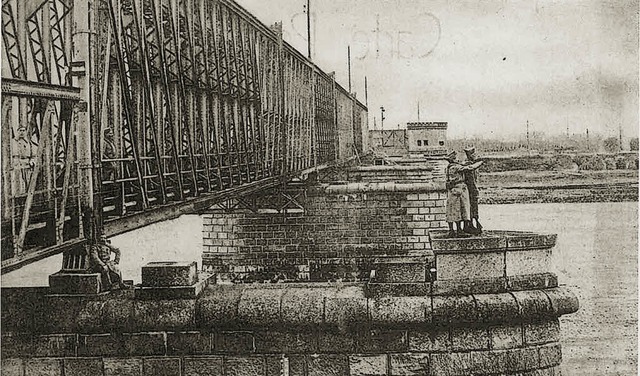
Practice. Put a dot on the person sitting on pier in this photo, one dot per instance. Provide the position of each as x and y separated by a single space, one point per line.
458 205
100 261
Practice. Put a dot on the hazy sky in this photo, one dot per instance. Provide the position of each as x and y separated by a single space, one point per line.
485 67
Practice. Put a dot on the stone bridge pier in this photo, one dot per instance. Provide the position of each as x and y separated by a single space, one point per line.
354 277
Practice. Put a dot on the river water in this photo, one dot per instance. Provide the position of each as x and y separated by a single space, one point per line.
596 254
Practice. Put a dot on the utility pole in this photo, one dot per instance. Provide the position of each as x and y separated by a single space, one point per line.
528 144
382 116
309 28
418 110
349 63
366 94
588 146
620 129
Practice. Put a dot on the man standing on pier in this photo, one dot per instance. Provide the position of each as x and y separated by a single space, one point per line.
458 205
471 179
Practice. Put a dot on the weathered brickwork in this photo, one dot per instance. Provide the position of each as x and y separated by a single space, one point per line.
334 238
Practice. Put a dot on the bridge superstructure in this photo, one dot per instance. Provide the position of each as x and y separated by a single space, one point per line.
121 113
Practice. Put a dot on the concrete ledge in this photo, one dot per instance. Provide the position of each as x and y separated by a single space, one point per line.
491 240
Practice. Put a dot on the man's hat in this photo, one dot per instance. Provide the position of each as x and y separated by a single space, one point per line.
451 155
470 151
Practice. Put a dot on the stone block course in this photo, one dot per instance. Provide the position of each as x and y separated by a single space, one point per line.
436 340
144 344
12 366
408 364
284 342
100 345
470 265
43 367
56 345
327 365
497 307
16 345
234 342
162 367
244 366
368 365
454 309
528 261
122 366
506 336
450 364
203 366
337 341
472 337
541 332
174 314
409 310
189 343
550 355
383 341
82 366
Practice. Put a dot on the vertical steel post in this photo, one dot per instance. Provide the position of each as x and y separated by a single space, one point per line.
88 132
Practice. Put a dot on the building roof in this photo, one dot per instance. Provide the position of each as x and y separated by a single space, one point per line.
427 125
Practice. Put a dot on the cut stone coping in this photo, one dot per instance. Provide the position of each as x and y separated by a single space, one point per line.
242 306
384 187
391 168
490 241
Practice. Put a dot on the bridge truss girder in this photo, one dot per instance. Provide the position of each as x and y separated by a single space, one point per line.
180 103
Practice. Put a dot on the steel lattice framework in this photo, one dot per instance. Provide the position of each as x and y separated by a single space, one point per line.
120 113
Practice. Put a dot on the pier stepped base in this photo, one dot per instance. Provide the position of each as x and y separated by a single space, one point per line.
479 306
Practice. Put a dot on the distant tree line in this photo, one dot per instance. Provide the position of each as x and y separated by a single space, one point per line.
542 143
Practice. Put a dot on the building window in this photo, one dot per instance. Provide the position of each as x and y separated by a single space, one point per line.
419 143
441 143
425 142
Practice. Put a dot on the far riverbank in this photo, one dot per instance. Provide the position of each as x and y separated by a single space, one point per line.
522 186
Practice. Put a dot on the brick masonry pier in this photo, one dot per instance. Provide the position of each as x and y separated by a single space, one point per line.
361 281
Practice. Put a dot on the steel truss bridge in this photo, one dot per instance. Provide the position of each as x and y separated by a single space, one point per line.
120 113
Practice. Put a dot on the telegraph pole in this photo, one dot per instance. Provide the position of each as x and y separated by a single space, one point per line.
309 28
382 116
620 129
528 144
366 94
418 110
588 146
349 63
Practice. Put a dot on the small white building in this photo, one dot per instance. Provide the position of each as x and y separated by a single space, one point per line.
427 138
